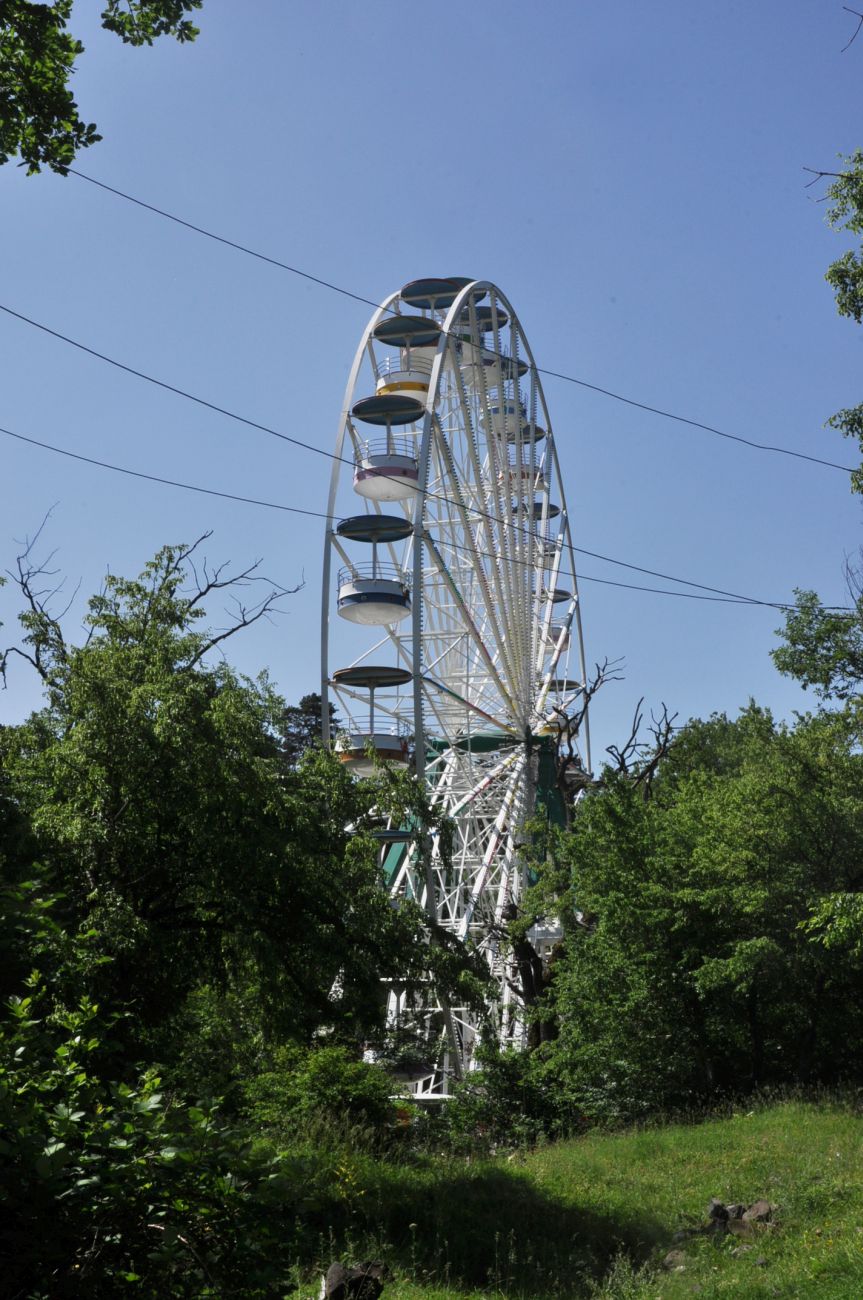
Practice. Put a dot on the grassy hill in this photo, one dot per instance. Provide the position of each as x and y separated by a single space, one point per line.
596 1217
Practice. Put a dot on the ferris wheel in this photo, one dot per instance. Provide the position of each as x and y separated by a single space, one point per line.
457 645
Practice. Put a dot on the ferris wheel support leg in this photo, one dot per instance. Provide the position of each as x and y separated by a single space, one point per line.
420 760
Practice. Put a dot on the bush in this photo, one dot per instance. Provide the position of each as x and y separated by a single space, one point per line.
111 1187
514 1100
327 1089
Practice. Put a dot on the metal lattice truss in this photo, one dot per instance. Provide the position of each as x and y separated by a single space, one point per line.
494 623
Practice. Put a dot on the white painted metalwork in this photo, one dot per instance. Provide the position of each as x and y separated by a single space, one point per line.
495 612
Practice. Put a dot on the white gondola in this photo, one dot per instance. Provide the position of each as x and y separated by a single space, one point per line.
374 595
409 372
556 636
361 750
386 470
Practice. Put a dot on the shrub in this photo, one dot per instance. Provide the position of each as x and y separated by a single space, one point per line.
328 1089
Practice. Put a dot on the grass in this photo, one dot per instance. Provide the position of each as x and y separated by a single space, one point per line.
593 1219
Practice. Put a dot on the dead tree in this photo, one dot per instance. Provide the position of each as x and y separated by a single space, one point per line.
638 760
571 776
44 646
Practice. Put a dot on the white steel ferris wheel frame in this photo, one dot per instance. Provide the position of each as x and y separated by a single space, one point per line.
490 635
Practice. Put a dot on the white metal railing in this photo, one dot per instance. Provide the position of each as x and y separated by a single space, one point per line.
406 360
377 724
389 446
369 570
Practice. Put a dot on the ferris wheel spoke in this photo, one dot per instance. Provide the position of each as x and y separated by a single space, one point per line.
485 506
467 619
482 786
468 704
467 534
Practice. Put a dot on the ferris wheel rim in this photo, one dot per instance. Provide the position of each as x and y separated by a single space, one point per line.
477 290
389 309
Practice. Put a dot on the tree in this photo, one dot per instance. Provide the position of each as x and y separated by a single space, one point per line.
301 726
845 275
160 802
823 648
39 117
688 964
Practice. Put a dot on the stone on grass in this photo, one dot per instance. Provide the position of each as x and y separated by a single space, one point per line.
759 1212
363 1282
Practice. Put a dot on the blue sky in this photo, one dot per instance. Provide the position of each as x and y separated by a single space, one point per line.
632 178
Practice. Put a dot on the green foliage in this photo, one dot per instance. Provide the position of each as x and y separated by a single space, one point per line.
39 117
38 114
845 275
846 213
300 727
143 21
161 803
138 1192
328 1089
688 968
823 648
514 1099
849 422
110 1185
837 922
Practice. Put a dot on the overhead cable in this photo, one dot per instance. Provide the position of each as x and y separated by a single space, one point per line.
554 374
328 455
318 514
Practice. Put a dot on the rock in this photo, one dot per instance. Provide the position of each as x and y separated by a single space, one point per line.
364 1282
674 1262
761 1261
716 1210
740 1228
736 1211
739 1251
759 1212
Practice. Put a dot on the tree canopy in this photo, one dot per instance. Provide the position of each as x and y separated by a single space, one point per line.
693 958
39 118
845 275
157 794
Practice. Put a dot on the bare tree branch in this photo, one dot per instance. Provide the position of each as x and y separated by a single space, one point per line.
819 175
623 757
43 631
244 617
571 775
639 760
662 731
859 16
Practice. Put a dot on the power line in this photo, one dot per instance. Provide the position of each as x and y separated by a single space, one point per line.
696 424
170 388
169 482
328 455
318 514
220 239
554 374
